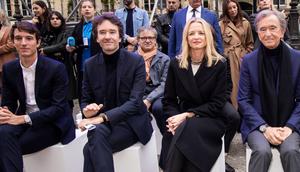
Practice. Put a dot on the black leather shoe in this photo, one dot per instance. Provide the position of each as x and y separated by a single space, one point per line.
228 168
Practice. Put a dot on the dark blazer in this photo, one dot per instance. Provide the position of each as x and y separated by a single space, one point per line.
249 93
77 34
178 23
130 87
51 84
205 95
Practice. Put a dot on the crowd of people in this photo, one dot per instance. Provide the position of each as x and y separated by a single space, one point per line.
202 77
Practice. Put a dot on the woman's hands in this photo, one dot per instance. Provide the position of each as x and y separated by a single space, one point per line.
176 120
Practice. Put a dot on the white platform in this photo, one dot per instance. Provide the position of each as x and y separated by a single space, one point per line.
69 158
275 165
219 165
58 158
138 158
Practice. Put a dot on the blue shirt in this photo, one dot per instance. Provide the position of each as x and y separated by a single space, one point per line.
86 34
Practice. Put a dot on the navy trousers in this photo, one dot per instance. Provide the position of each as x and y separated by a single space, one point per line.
17 140
103 141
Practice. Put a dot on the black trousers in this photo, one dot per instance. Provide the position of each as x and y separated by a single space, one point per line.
17 140
103 142
233 122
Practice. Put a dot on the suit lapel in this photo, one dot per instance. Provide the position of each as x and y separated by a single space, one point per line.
183 17
39 73
188 81
120 68
20 83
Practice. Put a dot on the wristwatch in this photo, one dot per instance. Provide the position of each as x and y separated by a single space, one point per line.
263 128
27 119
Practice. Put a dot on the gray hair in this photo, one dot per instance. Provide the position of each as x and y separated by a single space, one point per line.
146 28
266 13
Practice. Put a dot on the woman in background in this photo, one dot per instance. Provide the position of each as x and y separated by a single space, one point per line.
195 94
41 14
53 46
7 49
86 44
237 41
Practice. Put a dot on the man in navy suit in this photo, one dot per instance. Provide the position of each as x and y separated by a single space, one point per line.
269 96
34 112
182 16
112 98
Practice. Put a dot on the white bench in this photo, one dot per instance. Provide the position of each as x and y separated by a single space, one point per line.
69 158
219 165
275 165
58 158
138 158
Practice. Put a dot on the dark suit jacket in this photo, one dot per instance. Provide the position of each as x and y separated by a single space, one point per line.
178 23
130 87
249 93
51 84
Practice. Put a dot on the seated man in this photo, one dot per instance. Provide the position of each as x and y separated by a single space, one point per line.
157 65
269 96
34 112
112 92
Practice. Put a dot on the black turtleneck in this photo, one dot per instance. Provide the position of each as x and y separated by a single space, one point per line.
111 61
271 61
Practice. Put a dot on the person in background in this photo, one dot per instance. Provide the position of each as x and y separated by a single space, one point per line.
86 44
195 94
264 5
132 19
53 45
237 41
7 48
112 98
163 24
269 96
41 15
34 112
193 10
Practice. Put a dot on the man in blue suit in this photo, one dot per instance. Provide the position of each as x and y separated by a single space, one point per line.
112 98
34 112
182 16
269 96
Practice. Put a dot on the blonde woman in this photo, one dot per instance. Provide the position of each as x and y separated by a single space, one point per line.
195 94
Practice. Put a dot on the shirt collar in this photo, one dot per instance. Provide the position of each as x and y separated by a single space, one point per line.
32 67
190 8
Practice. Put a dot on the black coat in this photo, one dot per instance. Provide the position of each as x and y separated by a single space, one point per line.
54 46
199 137
163 27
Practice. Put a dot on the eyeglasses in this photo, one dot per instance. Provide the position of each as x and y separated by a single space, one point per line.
270 28
150 38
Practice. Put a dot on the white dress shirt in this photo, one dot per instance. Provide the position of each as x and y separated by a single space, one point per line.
189 13
29 83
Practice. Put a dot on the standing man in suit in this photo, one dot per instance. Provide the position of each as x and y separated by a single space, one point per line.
112 98
269 96
34 112
194 9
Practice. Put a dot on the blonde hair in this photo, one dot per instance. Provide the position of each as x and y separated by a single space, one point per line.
211 54
5 21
